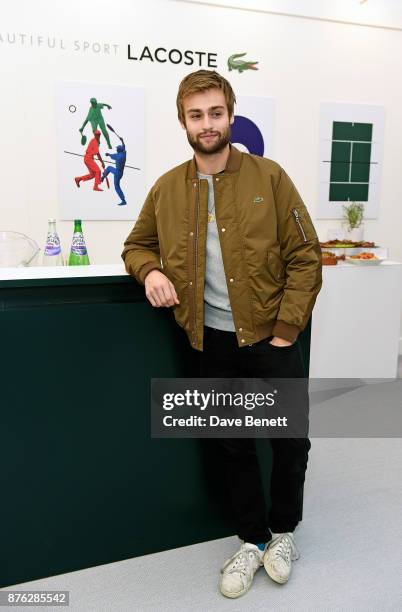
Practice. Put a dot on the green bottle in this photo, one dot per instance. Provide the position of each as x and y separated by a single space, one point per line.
78 253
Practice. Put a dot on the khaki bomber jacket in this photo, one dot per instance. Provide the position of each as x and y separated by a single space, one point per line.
270 249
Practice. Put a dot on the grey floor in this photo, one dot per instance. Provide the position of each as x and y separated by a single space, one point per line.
350 542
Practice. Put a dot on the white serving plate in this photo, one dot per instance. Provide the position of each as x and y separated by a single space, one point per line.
364 262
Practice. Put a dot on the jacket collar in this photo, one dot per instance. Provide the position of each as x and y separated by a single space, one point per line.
233 163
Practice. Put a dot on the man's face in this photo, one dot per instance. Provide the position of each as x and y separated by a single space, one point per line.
207 121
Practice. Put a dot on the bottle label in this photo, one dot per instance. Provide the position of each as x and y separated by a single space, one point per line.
52 245
78 246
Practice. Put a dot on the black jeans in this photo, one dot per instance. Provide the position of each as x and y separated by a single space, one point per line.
223 358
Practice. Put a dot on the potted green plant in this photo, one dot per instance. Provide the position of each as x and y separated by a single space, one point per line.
353 221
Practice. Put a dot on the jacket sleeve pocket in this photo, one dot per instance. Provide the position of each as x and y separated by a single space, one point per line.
303 222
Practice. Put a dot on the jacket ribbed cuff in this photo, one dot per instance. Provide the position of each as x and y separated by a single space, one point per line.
147 268
286 331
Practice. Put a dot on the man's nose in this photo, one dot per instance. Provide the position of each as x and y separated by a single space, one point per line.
206 123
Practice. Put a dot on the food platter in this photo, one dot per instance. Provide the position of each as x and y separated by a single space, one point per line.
361 253
347 244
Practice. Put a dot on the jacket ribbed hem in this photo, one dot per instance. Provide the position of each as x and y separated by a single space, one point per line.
265 330
286 331
145 269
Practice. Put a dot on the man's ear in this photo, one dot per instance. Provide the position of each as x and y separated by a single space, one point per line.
183 125
231 121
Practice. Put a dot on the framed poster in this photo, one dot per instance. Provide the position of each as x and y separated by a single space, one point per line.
100 151
253 128
351 154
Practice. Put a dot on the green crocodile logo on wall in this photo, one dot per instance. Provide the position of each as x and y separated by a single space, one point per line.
234 63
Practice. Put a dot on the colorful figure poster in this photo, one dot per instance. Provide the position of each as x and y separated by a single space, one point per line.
100 151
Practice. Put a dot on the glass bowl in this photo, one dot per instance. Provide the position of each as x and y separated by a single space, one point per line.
16 250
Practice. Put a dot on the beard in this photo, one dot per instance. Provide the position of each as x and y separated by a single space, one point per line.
216 146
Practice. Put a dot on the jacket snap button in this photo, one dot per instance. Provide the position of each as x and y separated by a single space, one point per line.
191 233
243 340
240 329
191 282
223 229
216 179
231 280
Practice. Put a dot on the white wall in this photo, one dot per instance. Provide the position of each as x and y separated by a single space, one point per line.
302 63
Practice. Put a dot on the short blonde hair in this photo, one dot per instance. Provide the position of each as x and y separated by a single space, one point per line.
202 80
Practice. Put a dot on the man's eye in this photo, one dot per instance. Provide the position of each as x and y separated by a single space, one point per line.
216 114
195 116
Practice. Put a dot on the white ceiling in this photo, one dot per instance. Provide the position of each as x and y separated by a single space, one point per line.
380 13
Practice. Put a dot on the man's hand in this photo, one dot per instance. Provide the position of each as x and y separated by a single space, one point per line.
280 342
159 290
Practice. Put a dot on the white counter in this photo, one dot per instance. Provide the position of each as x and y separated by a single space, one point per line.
356 322
62 271
356 319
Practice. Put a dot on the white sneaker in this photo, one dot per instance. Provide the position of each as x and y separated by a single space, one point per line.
238 572
280 553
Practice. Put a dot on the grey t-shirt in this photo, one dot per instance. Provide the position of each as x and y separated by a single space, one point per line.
218 313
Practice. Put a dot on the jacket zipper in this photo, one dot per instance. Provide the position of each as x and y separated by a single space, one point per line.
297 218
196 258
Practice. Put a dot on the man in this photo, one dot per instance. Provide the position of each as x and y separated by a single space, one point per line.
226 241
120 159
95 118
89 161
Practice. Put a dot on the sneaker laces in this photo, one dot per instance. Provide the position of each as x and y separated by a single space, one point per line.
240 561
284 547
